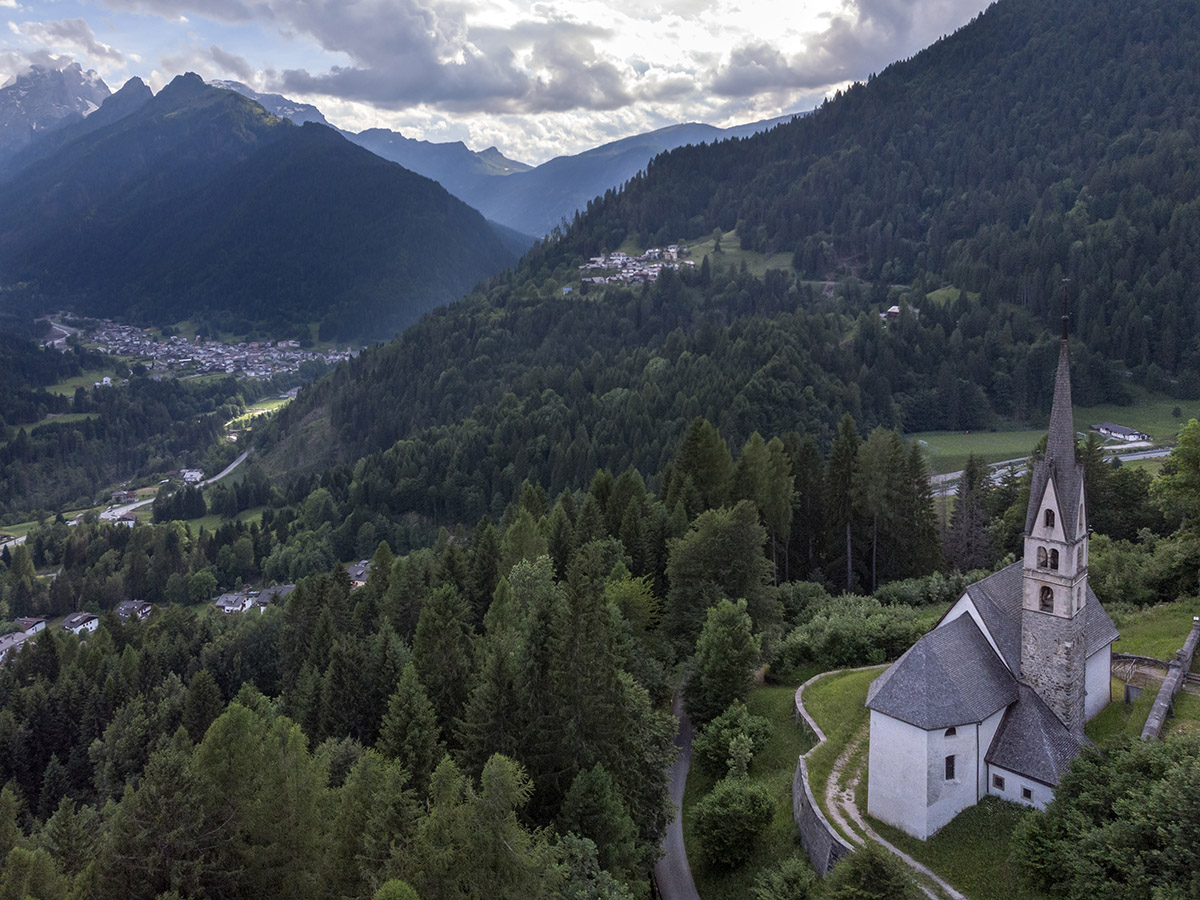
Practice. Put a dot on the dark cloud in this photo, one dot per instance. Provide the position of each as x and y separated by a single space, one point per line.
75 34
423 55
232 63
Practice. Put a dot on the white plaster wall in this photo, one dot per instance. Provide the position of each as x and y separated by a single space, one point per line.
897 760
948 798
987 733
1098 681
1013 785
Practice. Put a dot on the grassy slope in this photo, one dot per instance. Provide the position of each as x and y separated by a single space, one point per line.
972 852
837 704
1156 631
774 768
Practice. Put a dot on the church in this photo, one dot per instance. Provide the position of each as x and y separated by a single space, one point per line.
994 699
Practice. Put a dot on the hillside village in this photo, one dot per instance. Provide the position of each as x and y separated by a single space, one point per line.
621 268
178 357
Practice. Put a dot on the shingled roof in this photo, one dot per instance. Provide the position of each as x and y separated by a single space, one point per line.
1059 463
1033 742
951 676
998 600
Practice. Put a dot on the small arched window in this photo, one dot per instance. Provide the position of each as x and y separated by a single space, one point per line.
951 731
1054 559
1047 599
1079 557
1042 561
1049 518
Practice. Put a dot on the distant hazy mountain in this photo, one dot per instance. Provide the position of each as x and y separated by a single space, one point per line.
534 202
199 204
276 104
529 200
42 99
454 166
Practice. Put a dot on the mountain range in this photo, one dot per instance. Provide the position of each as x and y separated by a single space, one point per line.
198 204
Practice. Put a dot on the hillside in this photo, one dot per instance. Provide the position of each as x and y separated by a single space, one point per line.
199 204
920 166
1039 142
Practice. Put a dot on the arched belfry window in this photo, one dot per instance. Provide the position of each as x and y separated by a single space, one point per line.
1047 599
1042 561
1049 518
1054 559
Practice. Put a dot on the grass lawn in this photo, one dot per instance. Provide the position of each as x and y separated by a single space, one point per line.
947 294
59 418
1156 631
774 769
837 704
947 451
972 852
87 379
1187 715
262 407
212 523
1118 719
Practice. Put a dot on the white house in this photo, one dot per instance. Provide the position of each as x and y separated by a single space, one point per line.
234 603
993 700
31 625
80 623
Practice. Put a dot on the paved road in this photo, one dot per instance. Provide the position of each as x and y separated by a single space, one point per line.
947 484
61 332
229 468
118 511
672 873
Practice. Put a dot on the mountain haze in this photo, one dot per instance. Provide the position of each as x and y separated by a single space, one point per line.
199 203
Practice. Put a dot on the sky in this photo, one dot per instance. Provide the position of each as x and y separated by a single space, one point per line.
535 78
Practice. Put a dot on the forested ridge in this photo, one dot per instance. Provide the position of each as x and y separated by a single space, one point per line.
1042 155
1041 141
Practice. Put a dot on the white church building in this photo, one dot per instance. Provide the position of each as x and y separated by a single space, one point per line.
993 700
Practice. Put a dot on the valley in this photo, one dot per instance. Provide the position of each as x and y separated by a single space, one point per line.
552 452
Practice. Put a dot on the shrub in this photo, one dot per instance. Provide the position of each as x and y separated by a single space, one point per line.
870 873
729 820
710 749
849 631
792 879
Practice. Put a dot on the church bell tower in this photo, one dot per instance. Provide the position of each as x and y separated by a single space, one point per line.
1054 596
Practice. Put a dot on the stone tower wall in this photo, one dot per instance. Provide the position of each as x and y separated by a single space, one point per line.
1054 664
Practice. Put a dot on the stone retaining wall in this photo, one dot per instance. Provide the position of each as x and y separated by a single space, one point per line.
820 841
1177 670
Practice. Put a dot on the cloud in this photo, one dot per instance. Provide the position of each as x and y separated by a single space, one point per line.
73 34
232 63
211 62
864 38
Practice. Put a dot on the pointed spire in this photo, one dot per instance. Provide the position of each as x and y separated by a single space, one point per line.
1060 442
1059 462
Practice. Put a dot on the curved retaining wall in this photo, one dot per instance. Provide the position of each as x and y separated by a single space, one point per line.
822 844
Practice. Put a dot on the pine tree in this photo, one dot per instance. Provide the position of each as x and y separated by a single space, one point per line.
443 652
410 732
